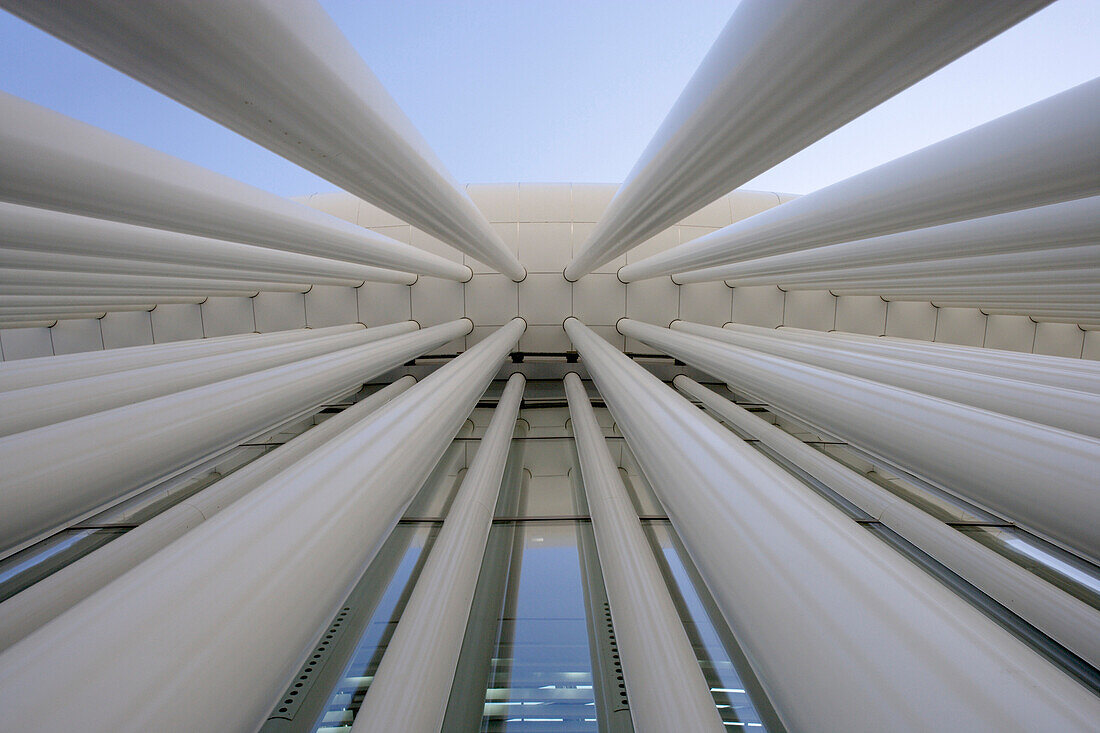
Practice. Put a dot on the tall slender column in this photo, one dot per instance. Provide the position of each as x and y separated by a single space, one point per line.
844 633
782 74
35 407
29 235
1067 620
238 587
995 460
1041 154
1055 371
57 473
123 283
50 369
1057 226
664 683
1068 409
413 682
265 68
51 161
40 603
1051 266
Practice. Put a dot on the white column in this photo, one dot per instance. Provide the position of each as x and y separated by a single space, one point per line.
1041 154
1068 409
1055 371
997 461
42 602
283 75
1051 266
60 472
32 237
122 284
50 369
664 683
844 633
782 74
1068 224
51 161
413 682
35 407
238 587
1069 621
82 311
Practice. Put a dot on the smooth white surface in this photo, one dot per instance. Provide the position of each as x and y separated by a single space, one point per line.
783 74
1056 226
413 681
664 683
237 596
66 239
55 473
1041 154
34 407
1003 463
34 607
1067 620
843 635
1068 409
282 74
51 161
49 369
121 284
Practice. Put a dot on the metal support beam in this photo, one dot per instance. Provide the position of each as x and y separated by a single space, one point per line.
664 683
57 237
35 407
1041 154
1068 409
121 283
237 589
1057 226
413 681
844 634
997 461
51 161
58 473
51 369
1069 621
782 74
40 603
265 69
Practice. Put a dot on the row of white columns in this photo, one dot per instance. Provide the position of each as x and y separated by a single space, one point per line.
283 75
993 459
54 162
1068 620
1041 154
237 595
34 407
48 598
1069 409
58 473
843 634
43 239
782 74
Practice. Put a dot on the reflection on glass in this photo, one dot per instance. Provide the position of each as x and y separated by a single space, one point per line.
541 669
731 696
44 558
347 696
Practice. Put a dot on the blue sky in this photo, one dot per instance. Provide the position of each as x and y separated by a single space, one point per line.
559 90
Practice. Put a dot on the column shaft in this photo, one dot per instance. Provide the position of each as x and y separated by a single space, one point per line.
48 160
238 590
264 69
844 633
413 681
1041 154
664 683
993 459
58 473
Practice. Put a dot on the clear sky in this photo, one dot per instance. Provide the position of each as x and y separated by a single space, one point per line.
559 90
